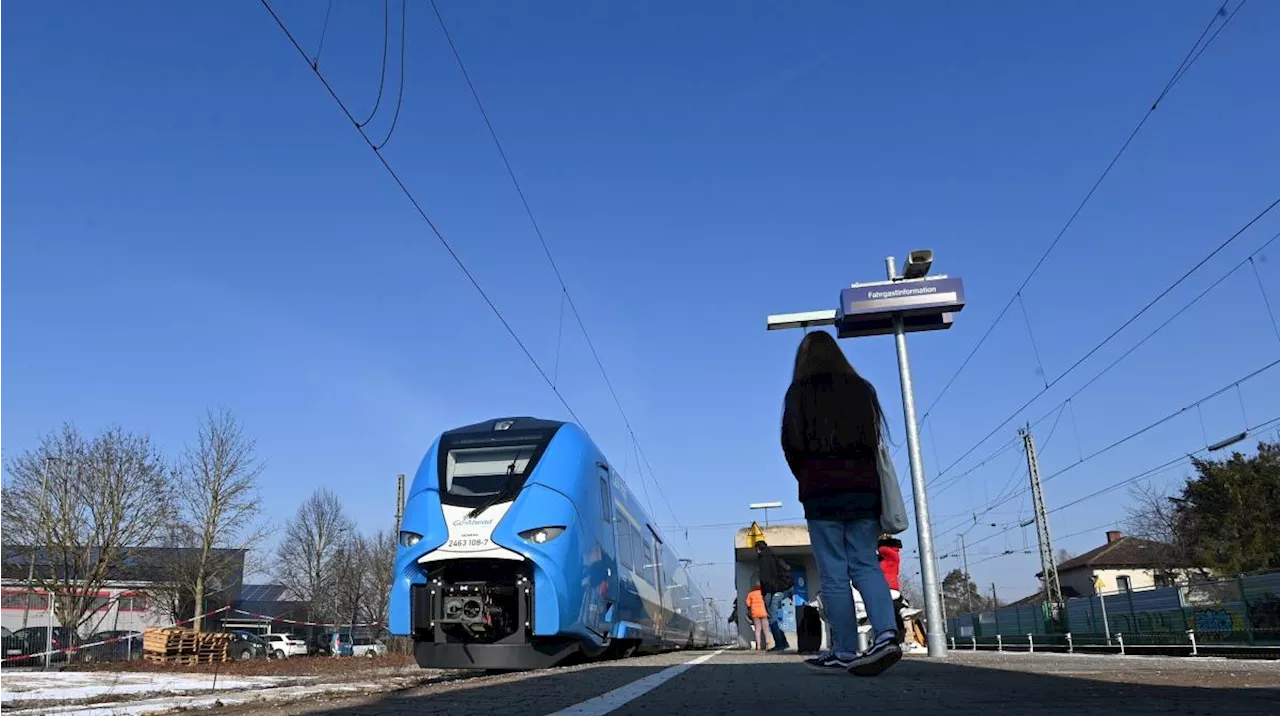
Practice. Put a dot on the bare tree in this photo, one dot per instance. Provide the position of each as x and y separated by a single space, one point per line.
380 558
361 575
77 508
911 590
350 583
306 555
171 597
217 497
1151 514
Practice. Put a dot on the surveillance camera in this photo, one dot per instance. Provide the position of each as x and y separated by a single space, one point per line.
918 263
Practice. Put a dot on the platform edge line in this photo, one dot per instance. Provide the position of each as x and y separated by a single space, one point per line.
611 701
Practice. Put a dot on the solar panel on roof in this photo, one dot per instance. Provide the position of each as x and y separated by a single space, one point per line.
261 592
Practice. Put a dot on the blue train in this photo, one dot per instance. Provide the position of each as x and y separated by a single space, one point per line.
521 547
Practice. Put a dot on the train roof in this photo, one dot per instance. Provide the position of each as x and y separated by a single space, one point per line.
521 423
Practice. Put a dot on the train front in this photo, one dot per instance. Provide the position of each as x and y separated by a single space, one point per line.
490 562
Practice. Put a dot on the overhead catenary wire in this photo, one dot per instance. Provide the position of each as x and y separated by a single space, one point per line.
1035 349
324 30
418 207
1149 472
1015 442
1009 553
1265 300
1163 467
1012 481
382 79
537 230
1085 386
404 53
1138 433
1192 56
1207 290
1111 336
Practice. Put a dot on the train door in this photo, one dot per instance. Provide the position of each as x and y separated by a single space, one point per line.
605 598
653 553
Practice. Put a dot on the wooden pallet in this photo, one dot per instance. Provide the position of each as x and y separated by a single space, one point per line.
185 646
173 659
186 659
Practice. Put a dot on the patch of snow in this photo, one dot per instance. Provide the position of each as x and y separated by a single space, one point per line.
146 707
79 686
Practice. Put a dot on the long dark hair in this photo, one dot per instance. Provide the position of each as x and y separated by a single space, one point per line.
829 408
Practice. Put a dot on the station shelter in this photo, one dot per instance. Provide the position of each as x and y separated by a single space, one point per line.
799 619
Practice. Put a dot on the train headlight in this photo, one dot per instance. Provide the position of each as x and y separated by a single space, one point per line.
409 539
542 534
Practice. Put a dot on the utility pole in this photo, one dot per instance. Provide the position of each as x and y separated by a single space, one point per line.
399 503
969 586
994 602
1052 589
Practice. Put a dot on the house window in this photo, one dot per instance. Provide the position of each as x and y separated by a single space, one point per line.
1123 584
99 602
133 602
18 599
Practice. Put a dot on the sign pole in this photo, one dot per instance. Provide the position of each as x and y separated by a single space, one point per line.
924 529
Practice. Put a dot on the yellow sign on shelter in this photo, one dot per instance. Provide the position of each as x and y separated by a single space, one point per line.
755 534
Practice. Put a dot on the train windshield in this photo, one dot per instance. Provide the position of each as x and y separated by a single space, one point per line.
486 471
481 465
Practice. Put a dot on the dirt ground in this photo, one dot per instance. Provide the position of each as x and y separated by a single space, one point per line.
340 667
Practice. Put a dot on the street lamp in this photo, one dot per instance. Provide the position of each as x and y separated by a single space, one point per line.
766 506
36 549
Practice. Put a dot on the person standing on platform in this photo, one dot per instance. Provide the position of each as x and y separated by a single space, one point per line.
890 550
758 616
833 437
778 586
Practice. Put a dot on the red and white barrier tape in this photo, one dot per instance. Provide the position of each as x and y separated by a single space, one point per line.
73 649
296 622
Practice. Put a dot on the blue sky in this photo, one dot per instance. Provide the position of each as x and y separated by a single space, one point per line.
192 222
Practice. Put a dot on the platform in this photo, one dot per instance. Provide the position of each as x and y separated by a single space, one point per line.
743 682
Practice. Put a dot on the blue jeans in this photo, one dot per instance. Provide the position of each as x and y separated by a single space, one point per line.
773 604
846 551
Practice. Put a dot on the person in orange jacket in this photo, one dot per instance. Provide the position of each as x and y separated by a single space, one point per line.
758 615
890 549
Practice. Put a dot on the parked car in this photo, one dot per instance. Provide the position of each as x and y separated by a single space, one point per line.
13 645
319 645
35 640
340 644
364 646
121 645
282 646
246 645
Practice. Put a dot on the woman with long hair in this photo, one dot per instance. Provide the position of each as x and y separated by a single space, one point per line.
833 436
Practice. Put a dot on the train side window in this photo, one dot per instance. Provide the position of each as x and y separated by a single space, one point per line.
624 545
605 503
638 556
652 564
